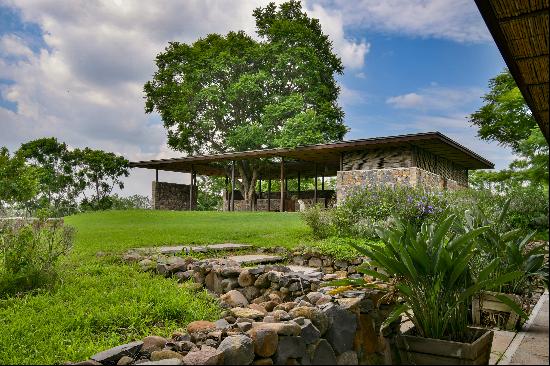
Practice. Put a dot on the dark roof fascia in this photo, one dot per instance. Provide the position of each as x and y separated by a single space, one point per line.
338 146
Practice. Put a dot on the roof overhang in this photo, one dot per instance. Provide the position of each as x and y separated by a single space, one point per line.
520 30
302 159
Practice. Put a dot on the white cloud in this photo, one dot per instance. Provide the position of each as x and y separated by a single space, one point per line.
85 87
436 97
411 100
457 20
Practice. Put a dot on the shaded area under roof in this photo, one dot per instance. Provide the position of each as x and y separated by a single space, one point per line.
326 156
520 30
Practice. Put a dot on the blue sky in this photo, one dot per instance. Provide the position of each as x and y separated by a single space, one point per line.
75 69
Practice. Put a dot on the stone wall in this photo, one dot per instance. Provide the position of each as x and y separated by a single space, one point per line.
273 316
348 182
172 196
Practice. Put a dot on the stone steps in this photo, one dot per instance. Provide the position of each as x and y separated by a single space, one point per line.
249 259
177 249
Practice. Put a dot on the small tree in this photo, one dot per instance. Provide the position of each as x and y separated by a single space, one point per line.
55 171
506 118
18 181
100 172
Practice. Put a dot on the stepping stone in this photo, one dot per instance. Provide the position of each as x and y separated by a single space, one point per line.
305 270
255 259
220 247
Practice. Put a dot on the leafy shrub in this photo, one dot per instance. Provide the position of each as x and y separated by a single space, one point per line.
429 269
508 250
29 252
360 212
318 219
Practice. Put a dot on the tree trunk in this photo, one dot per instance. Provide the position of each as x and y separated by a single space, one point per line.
248 174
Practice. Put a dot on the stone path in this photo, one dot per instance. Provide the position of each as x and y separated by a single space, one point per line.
176 249
530 345
249 259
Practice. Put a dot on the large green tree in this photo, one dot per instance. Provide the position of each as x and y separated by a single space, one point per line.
55 171
506 118
18 181
233 93
98 173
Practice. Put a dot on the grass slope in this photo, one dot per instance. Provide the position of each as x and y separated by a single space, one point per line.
101 303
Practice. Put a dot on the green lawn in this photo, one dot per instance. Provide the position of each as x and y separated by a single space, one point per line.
101 303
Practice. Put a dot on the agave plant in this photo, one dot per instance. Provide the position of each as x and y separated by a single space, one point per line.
430 267
509 249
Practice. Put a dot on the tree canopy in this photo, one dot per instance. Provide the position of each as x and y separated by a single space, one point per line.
506 118
234 93
18 181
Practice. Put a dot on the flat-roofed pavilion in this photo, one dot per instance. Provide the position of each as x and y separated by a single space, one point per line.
424 159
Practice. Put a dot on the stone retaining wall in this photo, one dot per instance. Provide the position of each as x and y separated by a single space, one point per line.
272 316
172 196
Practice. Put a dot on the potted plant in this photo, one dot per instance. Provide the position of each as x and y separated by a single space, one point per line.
505 251
430 268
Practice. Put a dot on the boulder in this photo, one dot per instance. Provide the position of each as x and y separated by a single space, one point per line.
245 278
169 362
263 361
206 356
341 331
229 284
222 324
237 350
265 341
282 329
250 292
315 262
165 355
286 306
258 307
347 358
125 360
312 297
234 299
317 317
289 347
113 355
213 282
309 333
200 326
323 354
231 272
262 281
246 313
152 343
280 315
146 264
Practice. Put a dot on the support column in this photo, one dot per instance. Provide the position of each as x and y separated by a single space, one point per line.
156 175
299 185
226 193
315 188
323 188
282 203
269 195
233 185
260 190
191 188
341 161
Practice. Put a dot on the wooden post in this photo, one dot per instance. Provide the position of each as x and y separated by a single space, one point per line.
233 185
269 194
191 185
260 191
315 188
226 193
323 189
156 175
298 185
341 161
282 203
